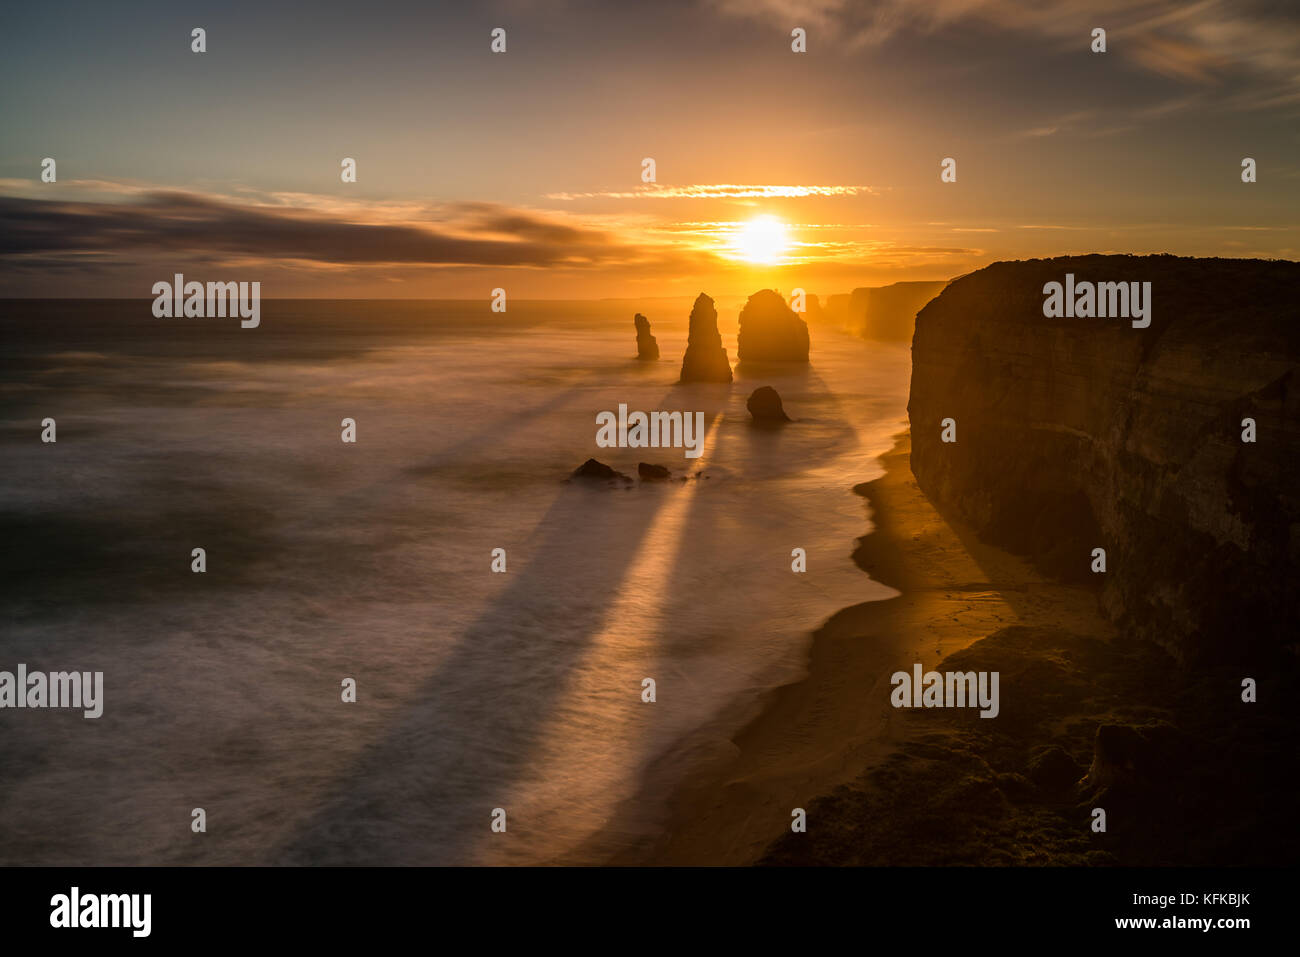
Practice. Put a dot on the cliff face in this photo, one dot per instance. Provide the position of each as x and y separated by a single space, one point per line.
888 313
1082 433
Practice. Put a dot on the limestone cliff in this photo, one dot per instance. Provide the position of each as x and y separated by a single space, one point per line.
883 313
1082 433
888 313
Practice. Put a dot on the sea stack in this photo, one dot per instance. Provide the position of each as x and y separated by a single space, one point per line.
770 331
646 346
764 405
705 359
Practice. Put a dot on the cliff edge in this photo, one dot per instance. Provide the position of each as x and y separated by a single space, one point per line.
1073 434
888 313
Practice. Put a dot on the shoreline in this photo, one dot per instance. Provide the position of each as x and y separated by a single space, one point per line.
1090 717
803 742
804 739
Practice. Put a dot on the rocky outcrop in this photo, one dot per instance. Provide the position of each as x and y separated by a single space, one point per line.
837 308
1085 722
598 471
764 404
888 313
770 331
646 346
1080 433
1124 754
882 313
705 359
650 472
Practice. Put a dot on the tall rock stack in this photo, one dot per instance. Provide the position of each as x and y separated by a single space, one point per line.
705 359
646 346
770 331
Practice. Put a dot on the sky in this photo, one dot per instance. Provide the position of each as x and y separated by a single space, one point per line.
523 170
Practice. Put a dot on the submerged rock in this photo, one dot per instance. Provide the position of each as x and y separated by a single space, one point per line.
770 331
591 469
764 404
652 473
646 345
705 359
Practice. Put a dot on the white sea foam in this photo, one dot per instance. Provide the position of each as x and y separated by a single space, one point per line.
475 690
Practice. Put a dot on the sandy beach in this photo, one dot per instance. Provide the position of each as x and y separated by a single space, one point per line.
835 727
1088 718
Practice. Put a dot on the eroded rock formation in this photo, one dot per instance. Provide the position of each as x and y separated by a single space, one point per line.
598 471
764 404
812 309
646 345
888 313
770 331
1081 433
705 359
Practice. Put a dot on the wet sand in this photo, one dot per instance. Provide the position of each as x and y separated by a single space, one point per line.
835 726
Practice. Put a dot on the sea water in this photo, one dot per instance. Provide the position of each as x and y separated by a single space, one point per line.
372 561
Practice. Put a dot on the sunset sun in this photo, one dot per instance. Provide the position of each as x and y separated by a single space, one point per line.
762 240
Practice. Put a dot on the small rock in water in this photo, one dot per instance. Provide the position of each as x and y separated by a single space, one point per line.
591 469
652 473
764 405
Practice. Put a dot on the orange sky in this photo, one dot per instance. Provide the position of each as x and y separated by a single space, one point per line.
523 170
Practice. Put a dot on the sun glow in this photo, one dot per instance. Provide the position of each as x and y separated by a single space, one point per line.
762 240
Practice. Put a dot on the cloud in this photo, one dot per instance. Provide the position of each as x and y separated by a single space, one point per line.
1203 43
857 23
169 221
720 191
1093 124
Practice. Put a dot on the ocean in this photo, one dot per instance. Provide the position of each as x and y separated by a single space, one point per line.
372 561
